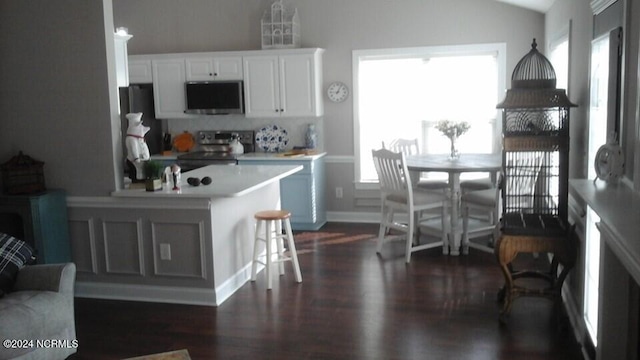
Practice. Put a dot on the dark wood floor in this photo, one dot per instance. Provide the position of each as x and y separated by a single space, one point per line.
352 304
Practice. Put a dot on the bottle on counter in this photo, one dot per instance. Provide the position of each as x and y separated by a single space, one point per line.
311 137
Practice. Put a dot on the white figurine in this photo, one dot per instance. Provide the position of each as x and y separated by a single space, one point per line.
137 149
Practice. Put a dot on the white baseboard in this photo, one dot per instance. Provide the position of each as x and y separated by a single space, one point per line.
149 293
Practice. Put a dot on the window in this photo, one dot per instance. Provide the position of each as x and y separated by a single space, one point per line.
402 93
559 57
592 275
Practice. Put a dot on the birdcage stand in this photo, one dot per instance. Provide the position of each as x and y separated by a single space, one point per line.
563 250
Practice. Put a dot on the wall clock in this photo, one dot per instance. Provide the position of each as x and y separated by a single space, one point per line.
609 162
337 91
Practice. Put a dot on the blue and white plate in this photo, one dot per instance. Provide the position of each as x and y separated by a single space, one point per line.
272 138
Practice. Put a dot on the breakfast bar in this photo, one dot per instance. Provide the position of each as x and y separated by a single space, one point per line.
192 245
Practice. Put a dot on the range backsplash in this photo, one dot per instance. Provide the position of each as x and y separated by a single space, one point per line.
296 127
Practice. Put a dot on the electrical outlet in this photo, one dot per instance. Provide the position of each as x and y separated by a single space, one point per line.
165 252
339 193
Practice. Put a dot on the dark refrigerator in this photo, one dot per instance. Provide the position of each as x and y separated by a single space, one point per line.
139 98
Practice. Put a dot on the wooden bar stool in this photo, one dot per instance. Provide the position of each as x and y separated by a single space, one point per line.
277 217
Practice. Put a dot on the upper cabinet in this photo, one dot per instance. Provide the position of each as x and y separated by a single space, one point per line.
277 83
283 83
168 88
202 68
140 70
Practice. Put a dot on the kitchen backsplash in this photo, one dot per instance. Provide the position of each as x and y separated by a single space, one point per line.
296 127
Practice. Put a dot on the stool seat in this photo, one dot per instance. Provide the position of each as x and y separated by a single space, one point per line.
273 221
272 215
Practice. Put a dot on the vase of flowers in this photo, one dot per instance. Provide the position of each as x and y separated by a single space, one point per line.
453 130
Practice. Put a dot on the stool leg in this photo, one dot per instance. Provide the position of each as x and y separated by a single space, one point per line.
256 241
268 265
292 249
278 238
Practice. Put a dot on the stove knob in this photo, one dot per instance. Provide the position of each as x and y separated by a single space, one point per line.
202 136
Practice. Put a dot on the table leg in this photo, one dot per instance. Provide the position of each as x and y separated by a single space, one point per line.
455 233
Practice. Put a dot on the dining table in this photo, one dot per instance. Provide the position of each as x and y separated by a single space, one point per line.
454 167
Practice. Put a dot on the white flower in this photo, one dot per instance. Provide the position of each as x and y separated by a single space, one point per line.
452 129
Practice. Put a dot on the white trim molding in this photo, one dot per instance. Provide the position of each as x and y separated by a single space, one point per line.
598 6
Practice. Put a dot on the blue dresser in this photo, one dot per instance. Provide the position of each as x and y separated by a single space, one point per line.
40 220
302 193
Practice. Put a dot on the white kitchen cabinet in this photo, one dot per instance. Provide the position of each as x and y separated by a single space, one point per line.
168 88
140 71
214 68
283 83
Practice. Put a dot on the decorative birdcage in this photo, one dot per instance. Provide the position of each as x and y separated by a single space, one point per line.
280 27
23 174
535 159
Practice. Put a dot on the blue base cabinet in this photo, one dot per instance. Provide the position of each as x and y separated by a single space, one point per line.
302 193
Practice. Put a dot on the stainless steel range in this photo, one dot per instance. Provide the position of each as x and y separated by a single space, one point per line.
213 149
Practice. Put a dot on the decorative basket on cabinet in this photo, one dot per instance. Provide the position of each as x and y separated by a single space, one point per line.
280 27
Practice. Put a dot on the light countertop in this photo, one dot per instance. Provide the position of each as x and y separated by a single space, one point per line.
227 181
279 156
618 207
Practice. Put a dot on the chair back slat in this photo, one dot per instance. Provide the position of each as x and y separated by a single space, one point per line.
392 172
405 146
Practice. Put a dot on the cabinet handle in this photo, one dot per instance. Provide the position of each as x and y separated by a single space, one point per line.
277 110
210 74
215 74
281 110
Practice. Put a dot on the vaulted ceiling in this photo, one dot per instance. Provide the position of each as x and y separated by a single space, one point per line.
538 5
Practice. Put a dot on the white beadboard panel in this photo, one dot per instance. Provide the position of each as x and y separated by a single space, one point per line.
123 250
83 245
187 243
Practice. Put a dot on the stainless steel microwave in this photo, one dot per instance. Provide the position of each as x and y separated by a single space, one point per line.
215 97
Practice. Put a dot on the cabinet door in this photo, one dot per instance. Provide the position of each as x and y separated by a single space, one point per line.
140 72
296 197
214 68
261 88
199 69
168 88
297 85
227 68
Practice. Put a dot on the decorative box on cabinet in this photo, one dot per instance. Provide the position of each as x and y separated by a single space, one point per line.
302 193
40 220
283 83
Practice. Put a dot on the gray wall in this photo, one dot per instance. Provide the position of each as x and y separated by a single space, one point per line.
579 14
55 102
339 26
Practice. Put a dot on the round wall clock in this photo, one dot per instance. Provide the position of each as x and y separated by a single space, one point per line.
337 91
609 162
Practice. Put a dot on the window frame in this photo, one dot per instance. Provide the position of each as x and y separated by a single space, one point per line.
500 49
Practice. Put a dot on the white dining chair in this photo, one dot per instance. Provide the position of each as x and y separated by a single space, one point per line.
397 195
411 147
482 207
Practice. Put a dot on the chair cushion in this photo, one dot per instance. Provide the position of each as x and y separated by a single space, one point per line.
14 255
420 197
481 197
432 184
476 184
